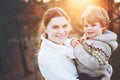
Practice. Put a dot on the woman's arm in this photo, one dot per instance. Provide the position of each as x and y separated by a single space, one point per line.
54 70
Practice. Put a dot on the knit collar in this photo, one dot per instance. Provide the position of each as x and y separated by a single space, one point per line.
108 37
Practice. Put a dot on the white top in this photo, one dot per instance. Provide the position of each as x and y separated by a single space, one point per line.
55 61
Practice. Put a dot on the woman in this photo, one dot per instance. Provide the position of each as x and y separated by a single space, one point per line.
55 56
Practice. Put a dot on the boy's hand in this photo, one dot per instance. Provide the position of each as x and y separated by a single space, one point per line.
74 42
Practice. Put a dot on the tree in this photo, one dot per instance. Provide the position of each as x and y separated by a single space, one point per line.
18 30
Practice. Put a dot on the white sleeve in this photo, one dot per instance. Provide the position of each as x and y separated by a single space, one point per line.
51 71
70 54
68 43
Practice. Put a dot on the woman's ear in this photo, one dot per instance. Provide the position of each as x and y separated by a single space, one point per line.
45 29
104 28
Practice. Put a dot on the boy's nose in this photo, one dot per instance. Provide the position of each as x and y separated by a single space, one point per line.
89 27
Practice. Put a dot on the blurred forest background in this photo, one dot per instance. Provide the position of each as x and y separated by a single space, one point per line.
20 33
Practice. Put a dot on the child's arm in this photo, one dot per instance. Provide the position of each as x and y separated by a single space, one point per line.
75 42
93 56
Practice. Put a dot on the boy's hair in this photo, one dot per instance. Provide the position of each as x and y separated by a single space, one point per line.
95 14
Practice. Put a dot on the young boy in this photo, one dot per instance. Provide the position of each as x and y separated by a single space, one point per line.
93 50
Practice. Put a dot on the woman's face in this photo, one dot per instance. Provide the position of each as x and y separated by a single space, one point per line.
93 30
58 30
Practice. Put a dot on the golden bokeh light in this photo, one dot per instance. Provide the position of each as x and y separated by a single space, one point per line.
117 0
78 6
46 1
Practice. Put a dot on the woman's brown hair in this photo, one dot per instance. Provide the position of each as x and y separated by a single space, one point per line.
49 14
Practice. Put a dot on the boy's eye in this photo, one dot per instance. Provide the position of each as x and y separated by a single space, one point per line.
93 25
85 25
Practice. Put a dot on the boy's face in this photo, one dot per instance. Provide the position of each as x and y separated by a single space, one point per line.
92 30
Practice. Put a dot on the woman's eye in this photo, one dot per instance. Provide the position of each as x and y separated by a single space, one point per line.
64 26
93 25
55 27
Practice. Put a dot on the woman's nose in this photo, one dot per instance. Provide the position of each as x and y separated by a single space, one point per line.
61 30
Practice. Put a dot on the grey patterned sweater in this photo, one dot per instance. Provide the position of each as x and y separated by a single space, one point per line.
92 56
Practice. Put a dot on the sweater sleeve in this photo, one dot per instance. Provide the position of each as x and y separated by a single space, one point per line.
93 57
